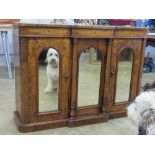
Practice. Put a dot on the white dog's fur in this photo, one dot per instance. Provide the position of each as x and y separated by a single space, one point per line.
52 70
142 112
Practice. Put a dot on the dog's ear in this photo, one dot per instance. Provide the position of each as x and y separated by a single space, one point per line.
46 61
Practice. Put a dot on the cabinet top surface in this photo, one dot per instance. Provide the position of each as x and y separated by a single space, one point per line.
78 31
80 26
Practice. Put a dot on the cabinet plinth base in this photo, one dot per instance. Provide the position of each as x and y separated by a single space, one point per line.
87 120
118 114
31 127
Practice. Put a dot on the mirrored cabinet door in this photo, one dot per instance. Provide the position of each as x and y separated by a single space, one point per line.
89 77
49 61
48 80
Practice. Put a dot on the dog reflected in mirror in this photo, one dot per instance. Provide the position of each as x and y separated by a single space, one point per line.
142 113
52 71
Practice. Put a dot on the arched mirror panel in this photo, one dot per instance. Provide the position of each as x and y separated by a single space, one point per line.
89 77
48 80
125 61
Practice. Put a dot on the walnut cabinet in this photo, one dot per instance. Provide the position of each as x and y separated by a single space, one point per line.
121 50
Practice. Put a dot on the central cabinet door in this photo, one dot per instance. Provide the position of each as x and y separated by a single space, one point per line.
88 75
49 69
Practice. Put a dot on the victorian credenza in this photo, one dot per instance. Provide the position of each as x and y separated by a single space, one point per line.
29 42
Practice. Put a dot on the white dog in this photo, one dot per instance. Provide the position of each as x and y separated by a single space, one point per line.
52 70
142 113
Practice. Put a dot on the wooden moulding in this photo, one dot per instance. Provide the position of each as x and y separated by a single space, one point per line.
118 114
111 32
87 120
43 31
50 30
31 127
129 33
78 121
91 33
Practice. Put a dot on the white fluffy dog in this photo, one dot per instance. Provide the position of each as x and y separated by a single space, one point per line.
142 113
52 70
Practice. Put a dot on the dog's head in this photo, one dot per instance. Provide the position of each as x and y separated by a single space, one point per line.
52 58
142 110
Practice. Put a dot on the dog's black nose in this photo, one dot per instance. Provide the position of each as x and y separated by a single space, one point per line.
53 60
142 129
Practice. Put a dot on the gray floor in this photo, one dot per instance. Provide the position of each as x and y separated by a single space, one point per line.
121 126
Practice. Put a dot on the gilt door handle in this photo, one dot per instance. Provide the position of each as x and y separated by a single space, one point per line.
66 76
112 73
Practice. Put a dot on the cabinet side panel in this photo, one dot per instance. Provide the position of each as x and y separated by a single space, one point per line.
23 50
17 70
21 76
